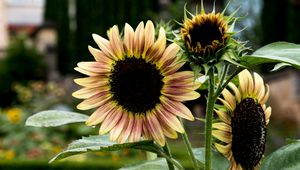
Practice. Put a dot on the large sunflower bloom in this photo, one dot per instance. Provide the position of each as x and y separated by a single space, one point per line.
135 86
242 132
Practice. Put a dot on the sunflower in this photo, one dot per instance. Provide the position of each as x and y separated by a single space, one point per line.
205 35
135 85
242 131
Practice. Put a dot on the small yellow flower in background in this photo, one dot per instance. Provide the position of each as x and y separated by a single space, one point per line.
56 149
9 154
242 130
136 86
14 115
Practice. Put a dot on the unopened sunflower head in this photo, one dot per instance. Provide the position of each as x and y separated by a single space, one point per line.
241 132
136 86
206 36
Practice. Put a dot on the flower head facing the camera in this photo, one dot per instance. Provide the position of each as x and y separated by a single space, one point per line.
135 85
242 130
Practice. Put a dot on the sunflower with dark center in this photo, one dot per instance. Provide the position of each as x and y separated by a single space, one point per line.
242 130
205 35
135 85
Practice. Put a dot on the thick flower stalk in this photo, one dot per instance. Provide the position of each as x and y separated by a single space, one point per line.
241 132
135 85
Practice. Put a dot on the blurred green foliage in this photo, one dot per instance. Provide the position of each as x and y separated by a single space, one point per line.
21 64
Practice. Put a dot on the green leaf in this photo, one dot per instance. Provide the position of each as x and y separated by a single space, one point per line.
278 52
219 162
156 164
51 118
286 157
102 143
280 66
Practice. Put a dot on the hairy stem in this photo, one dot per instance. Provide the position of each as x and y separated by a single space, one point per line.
209 116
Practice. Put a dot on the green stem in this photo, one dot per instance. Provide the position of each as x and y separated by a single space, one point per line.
178 165
209 116
189 148
167 151
223 85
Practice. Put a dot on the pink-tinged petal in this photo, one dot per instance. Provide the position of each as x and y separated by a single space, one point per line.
169 119
190 86
127 129
128 39
94 101
146 134
139 39
185 96
154 128
104 45
99 55
177 108
115 42
99 115
110 121
136 129
116 131
155 52
96 67
171 69
90 82
86 72
85 93
169 55
149 36
169 132
182 77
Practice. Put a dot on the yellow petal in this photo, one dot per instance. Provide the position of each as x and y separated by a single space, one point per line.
222 136
154 53
129 39
149 36
222 126
139 39
223 116
224 149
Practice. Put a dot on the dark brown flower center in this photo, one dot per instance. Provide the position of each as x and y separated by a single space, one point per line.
136 84
206 32
248 133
